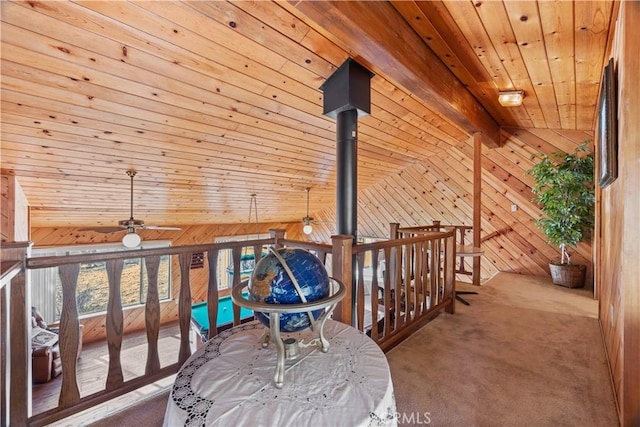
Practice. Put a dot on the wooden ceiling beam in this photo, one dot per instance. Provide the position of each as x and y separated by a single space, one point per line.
386 44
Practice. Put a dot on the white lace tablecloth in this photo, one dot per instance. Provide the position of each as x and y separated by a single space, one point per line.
229 382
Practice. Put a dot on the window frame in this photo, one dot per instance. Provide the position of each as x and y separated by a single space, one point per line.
46 298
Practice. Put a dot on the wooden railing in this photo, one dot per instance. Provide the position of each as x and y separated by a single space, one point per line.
14 332
418 282
411 281
464 248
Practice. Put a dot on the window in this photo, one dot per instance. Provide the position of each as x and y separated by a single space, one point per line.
92 294
225 261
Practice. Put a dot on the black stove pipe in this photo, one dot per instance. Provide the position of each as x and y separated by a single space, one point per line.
347 172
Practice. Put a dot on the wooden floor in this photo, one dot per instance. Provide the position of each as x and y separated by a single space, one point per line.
94 363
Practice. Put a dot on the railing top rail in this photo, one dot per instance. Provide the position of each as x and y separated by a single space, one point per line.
431 235
307 245
10 269
432 227
15 245
54 261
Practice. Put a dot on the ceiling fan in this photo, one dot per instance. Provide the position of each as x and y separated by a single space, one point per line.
307 229
307 220
131 239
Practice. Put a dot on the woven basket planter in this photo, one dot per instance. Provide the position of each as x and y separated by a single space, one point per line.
568 275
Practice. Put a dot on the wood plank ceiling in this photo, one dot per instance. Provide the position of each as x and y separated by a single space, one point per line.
213 101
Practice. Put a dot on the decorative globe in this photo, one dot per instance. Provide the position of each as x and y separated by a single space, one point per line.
271 283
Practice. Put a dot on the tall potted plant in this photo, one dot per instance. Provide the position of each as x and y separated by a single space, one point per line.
564 189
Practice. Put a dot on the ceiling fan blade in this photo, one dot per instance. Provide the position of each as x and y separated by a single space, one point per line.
131 224
156 227
103 229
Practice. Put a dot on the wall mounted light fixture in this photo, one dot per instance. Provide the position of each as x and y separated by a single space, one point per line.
511 98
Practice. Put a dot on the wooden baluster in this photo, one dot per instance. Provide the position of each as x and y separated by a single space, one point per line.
407 254
360 291
418 288
236 253
396 268
428 269
152 314
426 301
257 254
114 324
212 292
387 293
449 272
374 295
435 273
184 306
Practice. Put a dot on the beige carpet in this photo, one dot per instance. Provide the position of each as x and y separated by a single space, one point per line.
524 353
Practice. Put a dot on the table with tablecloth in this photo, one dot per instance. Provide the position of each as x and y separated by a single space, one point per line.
229 381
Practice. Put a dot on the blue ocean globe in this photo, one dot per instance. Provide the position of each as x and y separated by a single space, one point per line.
271 283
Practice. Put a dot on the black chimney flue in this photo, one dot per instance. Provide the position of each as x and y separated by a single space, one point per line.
347 96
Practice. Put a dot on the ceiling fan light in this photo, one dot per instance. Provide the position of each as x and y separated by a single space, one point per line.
131 240
511 98
307 229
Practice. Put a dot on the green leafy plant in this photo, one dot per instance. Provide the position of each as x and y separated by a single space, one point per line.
565 191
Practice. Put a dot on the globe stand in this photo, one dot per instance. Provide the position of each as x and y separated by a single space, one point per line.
287 349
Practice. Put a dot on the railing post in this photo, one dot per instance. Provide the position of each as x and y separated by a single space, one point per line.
16 379
341 270
277 234
477 203
393 230
449 273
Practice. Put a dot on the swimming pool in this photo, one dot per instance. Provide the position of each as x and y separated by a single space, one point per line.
200 316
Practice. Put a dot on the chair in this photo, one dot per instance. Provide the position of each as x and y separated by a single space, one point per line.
46 363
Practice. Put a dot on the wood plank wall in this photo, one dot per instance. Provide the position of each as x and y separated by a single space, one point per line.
95 328
14 210
438 188
6 213
441 188
618 229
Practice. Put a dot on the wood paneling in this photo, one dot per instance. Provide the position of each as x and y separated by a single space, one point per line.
386 44
442 188
213 101
6 215
618 229
14 215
